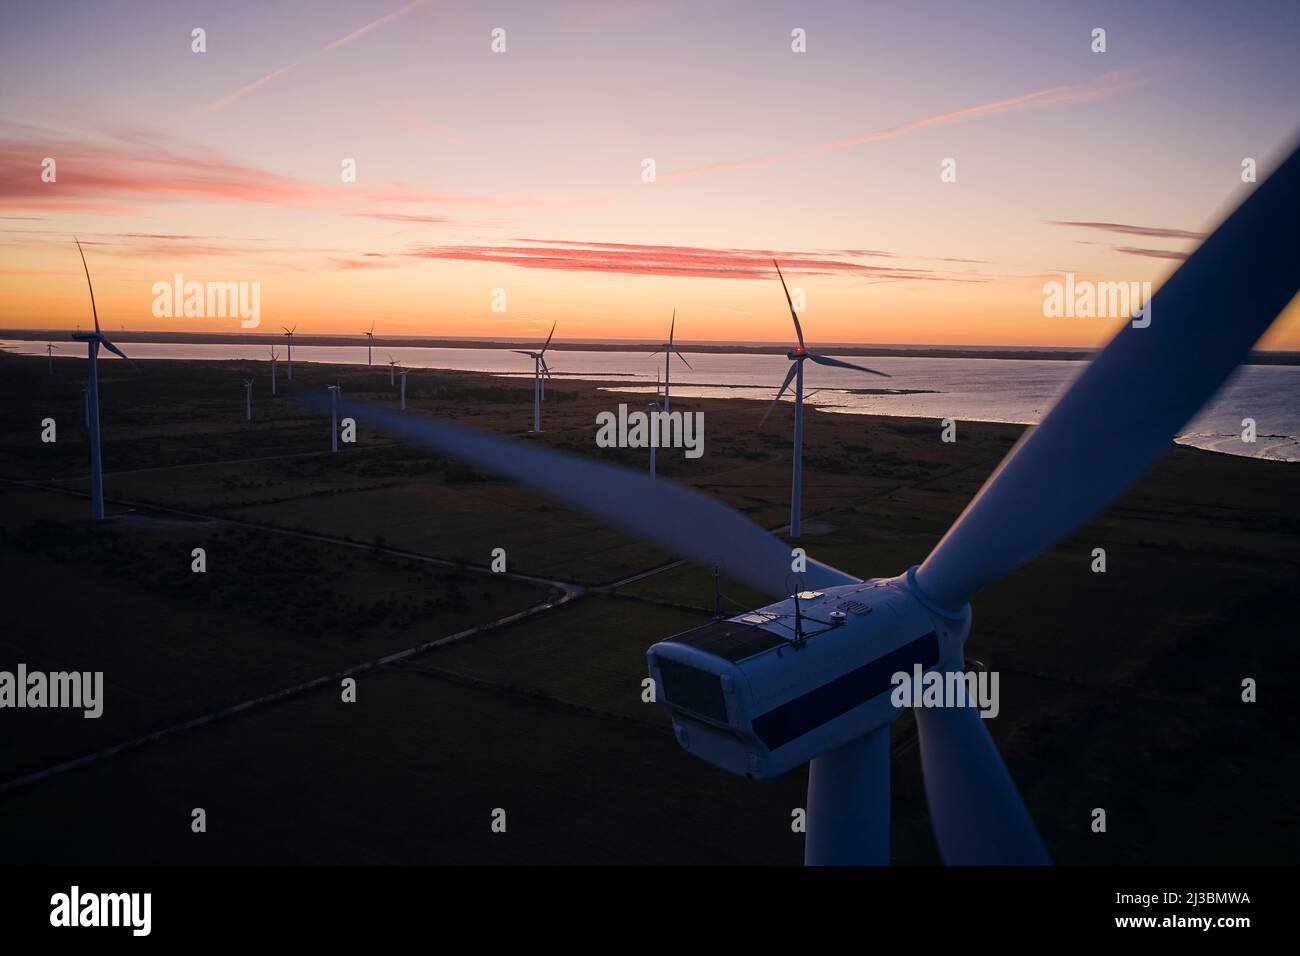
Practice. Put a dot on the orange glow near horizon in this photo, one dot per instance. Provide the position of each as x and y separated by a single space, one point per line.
531 178
455 301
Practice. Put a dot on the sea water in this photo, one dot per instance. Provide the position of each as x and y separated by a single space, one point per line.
965 389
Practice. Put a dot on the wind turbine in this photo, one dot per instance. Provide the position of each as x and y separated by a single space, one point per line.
653 408
93 341
289 350
334 391
248 400
669 350
797 356
50 349
808 678
273 361
539 366
392 367
370 342
403 374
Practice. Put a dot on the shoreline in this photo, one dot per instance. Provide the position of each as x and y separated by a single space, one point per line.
1026 353
637 387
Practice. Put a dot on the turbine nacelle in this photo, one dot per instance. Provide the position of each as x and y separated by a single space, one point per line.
768 690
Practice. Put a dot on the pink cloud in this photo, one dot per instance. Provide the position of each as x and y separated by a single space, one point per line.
91 175
1151 253
1107 85
402 217
400 12
342 41
371 260
1155 232
679 261
245 90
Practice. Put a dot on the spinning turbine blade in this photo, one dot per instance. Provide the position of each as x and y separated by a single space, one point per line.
683 358
103 340
93 311
789 377
798 330
977 814
680 520
548 338
1122 412
826 360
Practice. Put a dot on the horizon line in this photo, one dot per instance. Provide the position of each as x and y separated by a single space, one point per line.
31 334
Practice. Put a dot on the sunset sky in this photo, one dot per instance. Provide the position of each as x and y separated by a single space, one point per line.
522 170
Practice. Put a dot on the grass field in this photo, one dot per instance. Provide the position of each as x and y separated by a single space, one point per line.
1119 690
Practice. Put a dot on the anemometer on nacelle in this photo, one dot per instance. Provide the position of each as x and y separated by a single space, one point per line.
765 691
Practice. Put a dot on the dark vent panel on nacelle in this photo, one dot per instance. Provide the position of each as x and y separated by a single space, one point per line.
731 640
857 607
693 690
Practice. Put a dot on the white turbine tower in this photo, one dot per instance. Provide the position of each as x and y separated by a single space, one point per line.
808 679
93 341
370 342
248 400
392 368
50 349
403 374
274 357
669 350
288 358
653 409
797 356
539 367
334 391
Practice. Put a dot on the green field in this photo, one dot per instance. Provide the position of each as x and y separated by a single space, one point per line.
1119 690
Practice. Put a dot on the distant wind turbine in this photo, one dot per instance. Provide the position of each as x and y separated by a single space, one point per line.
93 341
539 366
50 349
797 355
392 368
334 416
669 351
289 353
403 374
370 342
274 357
248 400
654 425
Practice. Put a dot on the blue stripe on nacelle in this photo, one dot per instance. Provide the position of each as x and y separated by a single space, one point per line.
793 719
